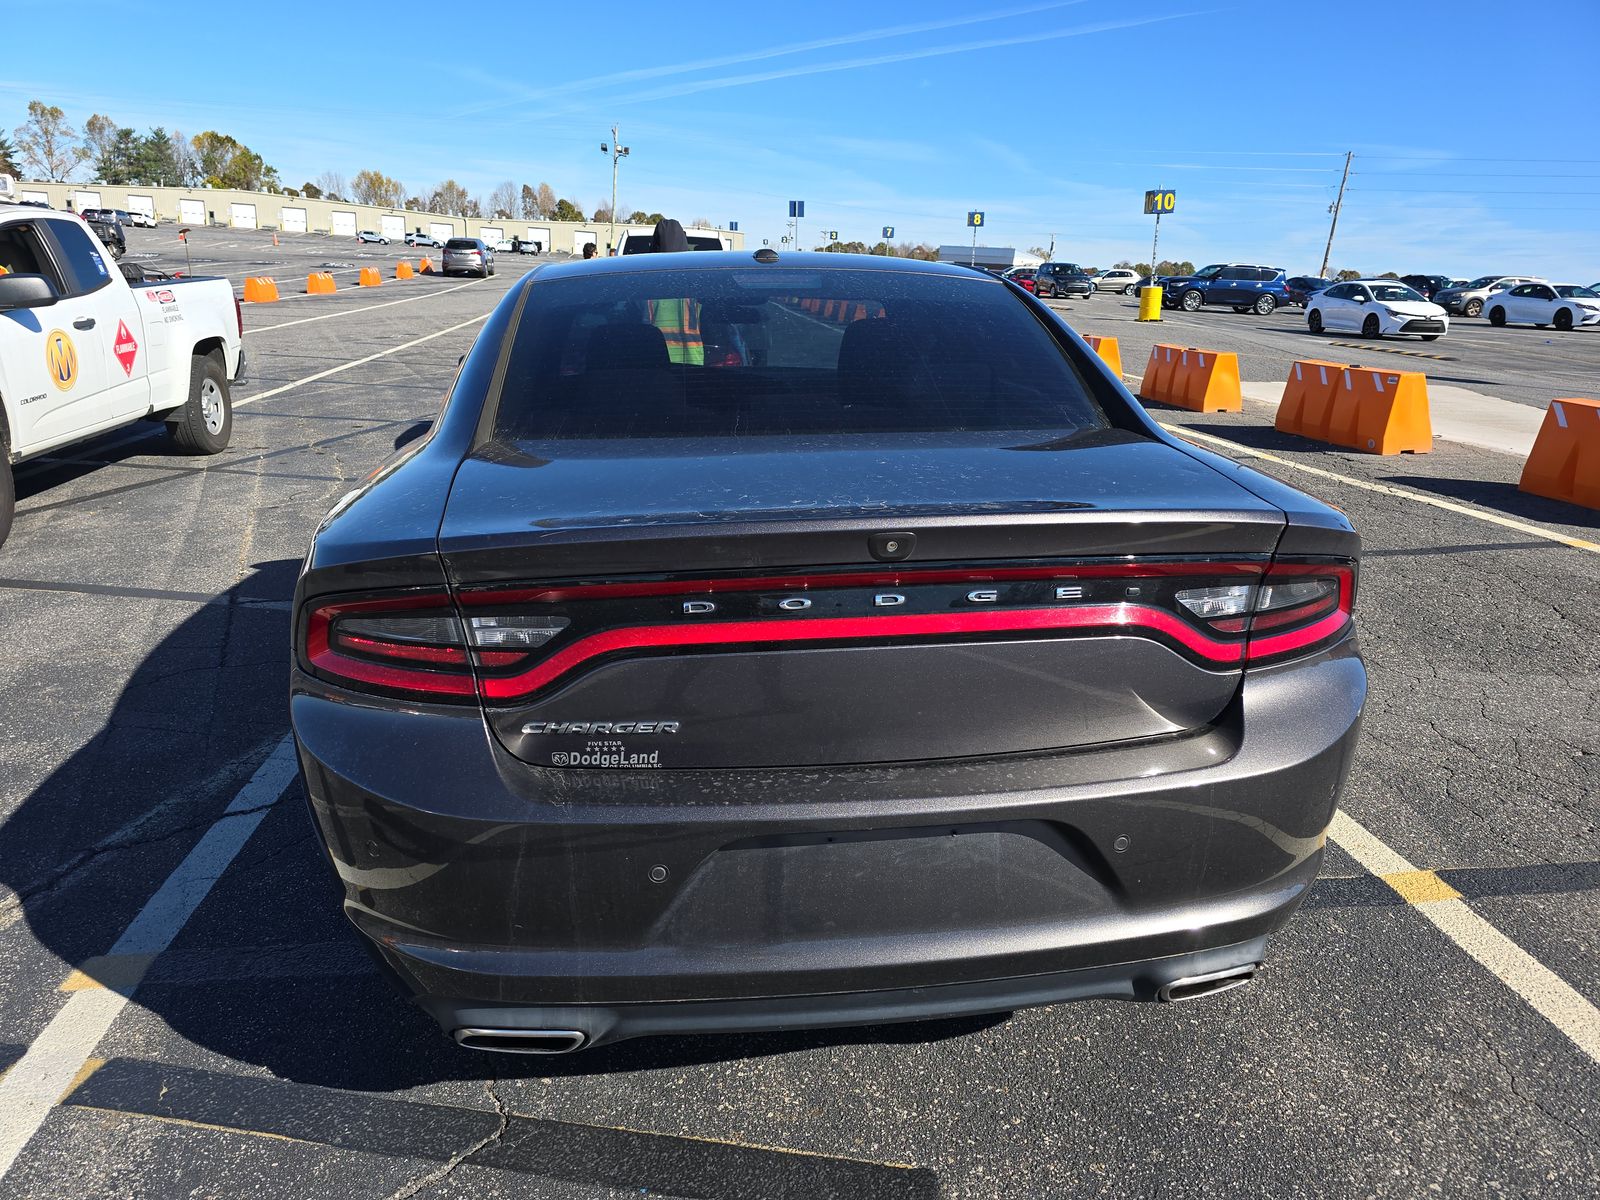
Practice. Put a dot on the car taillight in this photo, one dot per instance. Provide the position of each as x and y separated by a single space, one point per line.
1300 607
1296 608
515 642
415 644
238 316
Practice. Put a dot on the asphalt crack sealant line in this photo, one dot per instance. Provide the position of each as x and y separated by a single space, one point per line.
31 1088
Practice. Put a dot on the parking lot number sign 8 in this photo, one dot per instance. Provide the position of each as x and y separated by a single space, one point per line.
1160 203
975 219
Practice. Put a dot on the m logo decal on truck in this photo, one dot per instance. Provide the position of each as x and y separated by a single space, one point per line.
62 357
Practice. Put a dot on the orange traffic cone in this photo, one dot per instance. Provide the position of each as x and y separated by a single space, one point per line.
274 239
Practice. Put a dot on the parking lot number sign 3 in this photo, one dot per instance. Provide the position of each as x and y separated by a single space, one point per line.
1157 202
975 221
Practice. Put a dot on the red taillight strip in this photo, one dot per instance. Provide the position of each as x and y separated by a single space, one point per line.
564 593
1298 639
321 654
1133 617
444 655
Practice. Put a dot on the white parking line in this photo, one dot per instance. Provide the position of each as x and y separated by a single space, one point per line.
38 1080
1544 991
345 312
289 387
1384 489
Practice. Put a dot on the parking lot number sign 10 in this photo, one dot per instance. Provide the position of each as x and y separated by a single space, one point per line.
1159 203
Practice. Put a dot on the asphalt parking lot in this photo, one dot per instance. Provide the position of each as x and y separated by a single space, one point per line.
1432 1031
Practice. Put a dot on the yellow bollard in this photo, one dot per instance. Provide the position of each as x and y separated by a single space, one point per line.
1150 304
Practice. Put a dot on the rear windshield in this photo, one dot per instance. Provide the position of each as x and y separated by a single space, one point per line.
773 352
461 244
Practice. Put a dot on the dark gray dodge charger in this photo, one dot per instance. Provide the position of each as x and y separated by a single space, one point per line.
766 642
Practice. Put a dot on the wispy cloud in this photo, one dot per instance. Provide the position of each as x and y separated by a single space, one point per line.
638 75
879 60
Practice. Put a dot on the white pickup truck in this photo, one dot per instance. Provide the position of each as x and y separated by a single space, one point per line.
82 350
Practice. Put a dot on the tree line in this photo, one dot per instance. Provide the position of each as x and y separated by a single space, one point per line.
46 146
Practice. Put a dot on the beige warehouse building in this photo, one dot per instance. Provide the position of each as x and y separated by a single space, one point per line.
287 214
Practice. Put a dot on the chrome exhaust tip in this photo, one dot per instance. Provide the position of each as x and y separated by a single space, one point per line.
1193 987
521 1041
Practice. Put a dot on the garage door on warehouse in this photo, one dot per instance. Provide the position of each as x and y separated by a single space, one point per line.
242 216
344 224
442 231
582 238
83 200
35 197
293 220
541 236
142 204
192 212
490 234
393 226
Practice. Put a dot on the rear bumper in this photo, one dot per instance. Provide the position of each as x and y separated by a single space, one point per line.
599 1023
504 895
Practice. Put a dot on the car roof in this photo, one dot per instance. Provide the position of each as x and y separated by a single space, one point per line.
731 259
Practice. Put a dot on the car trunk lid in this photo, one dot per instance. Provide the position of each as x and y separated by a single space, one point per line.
690 606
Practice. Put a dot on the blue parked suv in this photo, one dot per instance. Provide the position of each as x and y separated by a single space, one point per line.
1244 287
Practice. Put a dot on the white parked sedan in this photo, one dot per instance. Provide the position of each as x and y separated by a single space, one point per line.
1564 305
1376 308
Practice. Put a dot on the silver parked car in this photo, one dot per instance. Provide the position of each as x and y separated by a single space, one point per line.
468 254
1469 300
1117 279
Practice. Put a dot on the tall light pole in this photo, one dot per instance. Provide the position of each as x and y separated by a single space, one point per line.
617 153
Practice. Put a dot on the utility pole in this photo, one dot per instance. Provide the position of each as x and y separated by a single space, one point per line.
617 152
1328 252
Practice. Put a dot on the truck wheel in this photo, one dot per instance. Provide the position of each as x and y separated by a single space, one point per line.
205 423
8 494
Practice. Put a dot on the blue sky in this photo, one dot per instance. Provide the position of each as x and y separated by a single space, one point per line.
1472 151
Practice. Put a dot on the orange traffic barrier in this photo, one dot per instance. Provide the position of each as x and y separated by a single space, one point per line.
426 265
1381 412
1308 395
402 270
1565 461
258 289
1209 381
1108 350
320 283
370 277
1159 371
1192 378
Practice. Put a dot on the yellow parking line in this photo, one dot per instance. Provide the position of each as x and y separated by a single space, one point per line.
1420 887
1552 997
119 972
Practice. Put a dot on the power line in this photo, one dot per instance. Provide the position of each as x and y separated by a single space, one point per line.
1475 191
1474 174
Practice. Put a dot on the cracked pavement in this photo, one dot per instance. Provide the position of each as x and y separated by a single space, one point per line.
1373 1057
